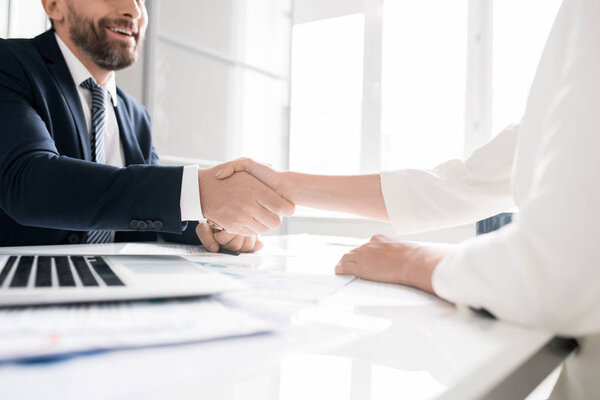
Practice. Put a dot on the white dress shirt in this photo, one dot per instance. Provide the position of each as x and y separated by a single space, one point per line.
190 207
544 268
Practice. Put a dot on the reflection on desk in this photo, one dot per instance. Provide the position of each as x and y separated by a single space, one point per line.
364 341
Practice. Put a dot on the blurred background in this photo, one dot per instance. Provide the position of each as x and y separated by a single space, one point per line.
329 86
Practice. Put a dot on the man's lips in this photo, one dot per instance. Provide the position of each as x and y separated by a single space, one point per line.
122 32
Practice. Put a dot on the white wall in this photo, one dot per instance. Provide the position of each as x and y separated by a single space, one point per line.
132 79
313 10
3 18
220 83
22 18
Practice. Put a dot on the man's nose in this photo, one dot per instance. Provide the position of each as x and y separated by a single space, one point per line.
131 9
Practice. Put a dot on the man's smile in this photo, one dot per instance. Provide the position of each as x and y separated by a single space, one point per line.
123 33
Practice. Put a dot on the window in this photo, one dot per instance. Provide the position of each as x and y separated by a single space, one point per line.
453 73
327 70
424 82
520 31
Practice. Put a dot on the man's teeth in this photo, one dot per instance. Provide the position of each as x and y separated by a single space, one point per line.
123 31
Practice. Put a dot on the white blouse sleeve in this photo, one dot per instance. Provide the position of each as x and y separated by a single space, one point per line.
454 193
544 268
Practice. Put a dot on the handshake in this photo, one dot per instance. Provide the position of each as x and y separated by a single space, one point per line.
243 198
240 200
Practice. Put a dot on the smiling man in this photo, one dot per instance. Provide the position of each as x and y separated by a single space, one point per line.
77 164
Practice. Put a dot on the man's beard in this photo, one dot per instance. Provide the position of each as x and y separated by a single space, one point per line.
93 40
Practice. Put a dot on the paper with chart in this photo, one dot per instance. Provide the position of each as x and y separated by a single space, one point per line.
103 249
112 249
176 249
133 249
364 293
42 332
283 285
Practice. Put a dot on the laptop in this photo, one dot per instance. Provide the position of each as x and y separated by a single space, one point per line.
59 279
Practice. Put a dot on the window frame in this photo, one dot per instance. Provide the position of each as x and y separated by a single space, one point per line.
478 102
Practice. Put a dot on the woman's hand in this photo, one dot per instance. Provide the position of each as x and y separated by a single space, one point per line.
384 259
263 172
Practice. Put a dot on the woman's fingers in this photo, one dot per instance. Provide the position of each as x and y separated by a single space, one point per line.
347 265
248 244
241 243
231 167
205 234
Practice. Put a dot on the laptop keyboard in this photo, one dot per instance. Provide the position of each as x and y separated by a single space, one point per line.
59 271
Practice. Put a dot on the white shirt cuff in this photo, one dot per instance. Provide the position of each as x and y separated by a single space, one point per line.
191 209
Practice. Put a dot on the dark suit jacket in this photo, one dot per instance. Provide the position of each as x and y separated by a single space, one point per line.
50 191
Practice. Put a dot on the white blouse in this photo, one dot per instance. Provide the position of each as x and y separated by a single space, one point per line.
544 268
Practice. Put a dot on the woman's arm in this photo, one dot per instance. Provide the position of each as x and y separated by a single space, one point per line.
357 194
453 193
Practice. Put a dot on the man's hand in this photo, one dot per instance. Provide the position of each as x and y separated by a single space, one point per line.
214 241
386 260
241 204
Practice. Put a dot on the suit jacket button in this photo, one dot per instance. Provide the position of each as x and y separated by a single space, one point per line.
74 238
158 225
133 224
142 226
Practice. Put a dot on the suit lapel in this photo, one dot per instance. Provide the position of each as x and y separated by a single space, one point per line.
131 149
58 68
47 46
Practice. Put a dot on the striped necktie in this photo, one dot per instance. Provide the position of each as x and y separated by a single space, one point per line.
99 96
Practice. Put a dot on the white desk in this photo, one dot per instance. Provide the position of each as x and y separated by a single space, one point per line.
366 341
